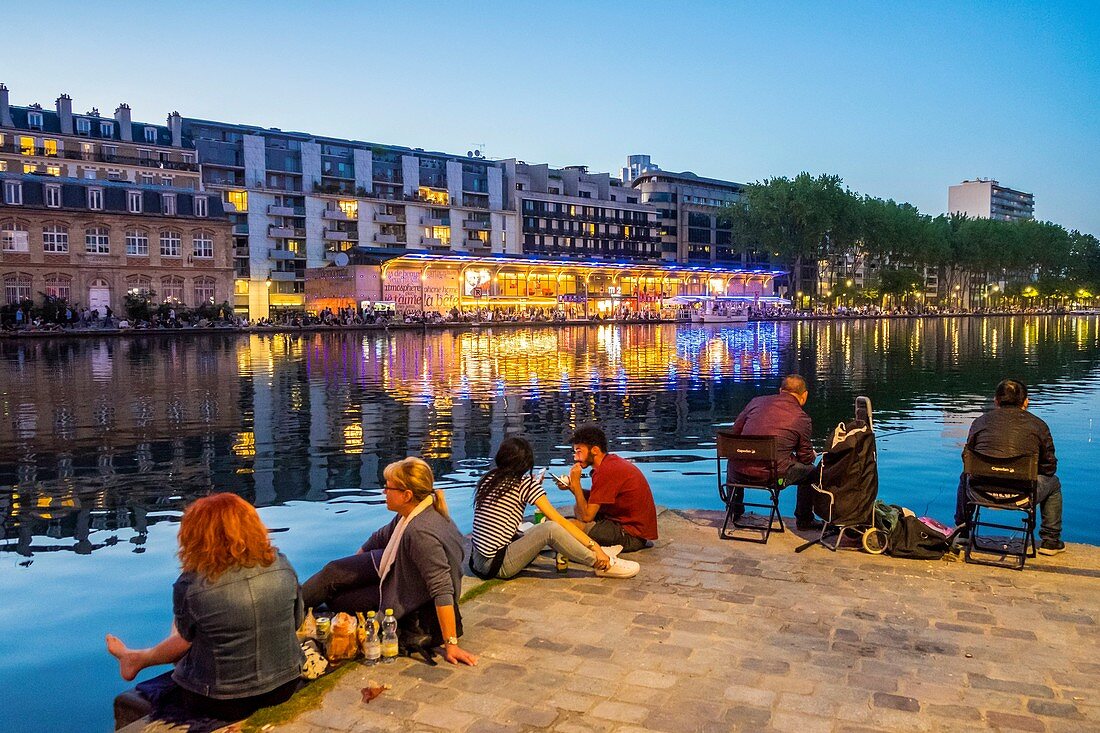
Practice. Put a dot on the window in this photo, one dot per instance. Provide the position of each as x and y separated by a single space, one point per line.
17 288
150 134
58 286
30 167
168 204
90 174
95 199
87 151
34 120
110 152
172 287
114 174
83 126
49 147
139 285
53 195
204 290
3 165
97 240
145 156
169 243
200 206
137 243
188 158
53 170
55 238
165 180
202 244
13 237
13 192
147 179
133 202
239 199
106 129
26 145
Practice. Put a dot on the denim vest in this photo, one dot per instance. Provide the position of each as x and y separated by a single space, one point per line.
241 628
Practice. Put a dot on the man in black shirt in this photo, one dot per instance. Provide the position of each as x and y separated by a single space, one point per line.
1008 431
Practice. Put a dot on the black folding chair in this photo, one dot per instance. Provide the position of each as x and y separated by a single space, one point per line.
1000 484
755 453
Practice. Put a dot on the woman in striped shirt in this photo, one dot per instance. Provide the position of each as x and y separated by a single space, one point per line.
499 501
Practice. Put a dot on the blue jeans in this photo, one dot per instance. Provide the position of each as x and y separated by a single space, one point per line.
1048 497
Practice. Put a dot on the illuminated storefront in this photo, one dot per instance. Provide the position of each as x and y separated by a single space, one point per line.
441 283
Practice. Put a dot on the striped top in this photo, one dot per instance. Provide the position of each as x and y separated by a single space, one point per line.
495 524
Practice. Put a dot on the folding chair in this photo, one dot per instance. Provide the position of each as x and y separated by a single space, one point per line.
1000 484
748 452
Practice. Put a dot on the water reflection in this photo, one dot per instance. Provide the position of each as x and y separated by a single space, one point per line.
109 437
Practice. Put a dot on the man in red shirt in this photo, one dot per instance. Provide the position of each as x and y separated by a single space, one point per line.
619 509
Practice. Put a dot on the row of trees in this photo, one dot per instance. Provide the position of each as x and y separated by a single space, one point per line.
806 220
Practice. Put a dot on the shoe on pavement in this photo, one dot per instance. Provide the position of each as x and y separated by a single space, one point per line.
809 526
1051 547
620 568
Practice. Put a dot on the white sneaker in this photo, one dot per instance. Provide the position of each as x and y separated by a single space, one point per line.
620 568
612 551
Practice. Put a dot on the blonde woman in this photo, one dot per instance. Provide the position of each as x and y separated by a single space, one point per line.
413 561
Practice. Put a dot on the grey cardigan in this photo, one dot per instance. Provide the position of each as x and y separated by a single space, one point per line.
428 565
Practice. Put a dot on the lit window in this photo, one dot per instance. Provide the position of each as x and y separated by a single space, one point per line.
58 286
95 199
53 196
55 238
13 192
140 285
239 199
350 208
14 237
168 204
200 206
26 145
17 288
150 134
83 126
34 120
204 290
137 243
202 245
53 170
172 287
30 167
169 243
97 240
49 147
3 165
106 129
133 202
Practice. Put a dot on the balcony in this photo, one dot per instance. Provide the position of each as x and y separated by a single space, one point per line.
278 232
277 276
281 254
240 251
434 243
276 210
389 219
431 221
475 225
385 239
240 229
335 215
336 235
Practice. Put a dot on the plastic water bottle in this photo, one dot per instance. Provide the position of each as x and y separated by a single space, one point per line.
372 644
389 637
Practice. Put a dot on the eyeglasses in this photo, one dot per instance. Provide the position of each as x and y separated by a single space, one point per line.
393 488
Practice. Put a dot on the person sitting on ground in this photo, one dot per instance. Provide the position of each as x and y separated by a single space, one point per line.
236 608
781 415
1008 431
619 509
413 561
499 500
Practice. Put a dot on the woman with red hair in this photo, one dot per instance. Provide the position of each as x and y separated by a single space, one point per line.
236 608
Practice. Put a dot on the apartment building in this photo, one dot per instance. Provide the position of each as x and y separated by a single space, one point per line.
299 201
90 242
61 143
984 198
569 212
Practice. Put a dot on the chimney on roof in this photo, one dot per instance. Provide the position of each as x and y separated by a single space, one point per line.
5 110
65 114
175 126
122 117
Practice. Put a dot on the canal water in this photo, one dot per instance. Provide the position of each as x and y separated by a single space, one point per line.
103 442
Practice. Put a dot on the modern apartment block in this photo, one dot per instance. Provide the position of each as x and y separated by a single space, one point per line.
689 213
569 212
984 198
58 142
298 201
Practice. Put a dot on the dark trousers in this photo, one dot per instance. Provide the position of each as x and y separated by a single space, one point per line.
800 475
608 532
1048 497
349 584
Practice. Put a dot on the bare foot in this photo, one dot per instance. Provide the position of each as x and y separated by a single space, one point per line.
129 661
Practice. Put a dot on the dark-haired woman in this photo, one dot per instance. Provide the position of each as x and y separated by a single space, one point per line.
499 501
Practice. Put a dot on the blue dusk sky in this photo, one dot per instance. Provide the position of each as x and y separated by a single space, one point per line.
899 99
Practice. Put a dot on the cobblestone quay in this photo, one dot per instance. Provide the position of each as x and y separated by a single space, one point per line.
726 636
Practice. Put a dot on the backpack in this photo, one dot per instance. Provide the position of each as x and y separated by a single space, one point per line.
917 538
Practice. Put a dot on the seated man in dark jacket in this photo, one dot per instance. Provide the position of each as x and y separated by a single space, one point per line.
781 415
1008 431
